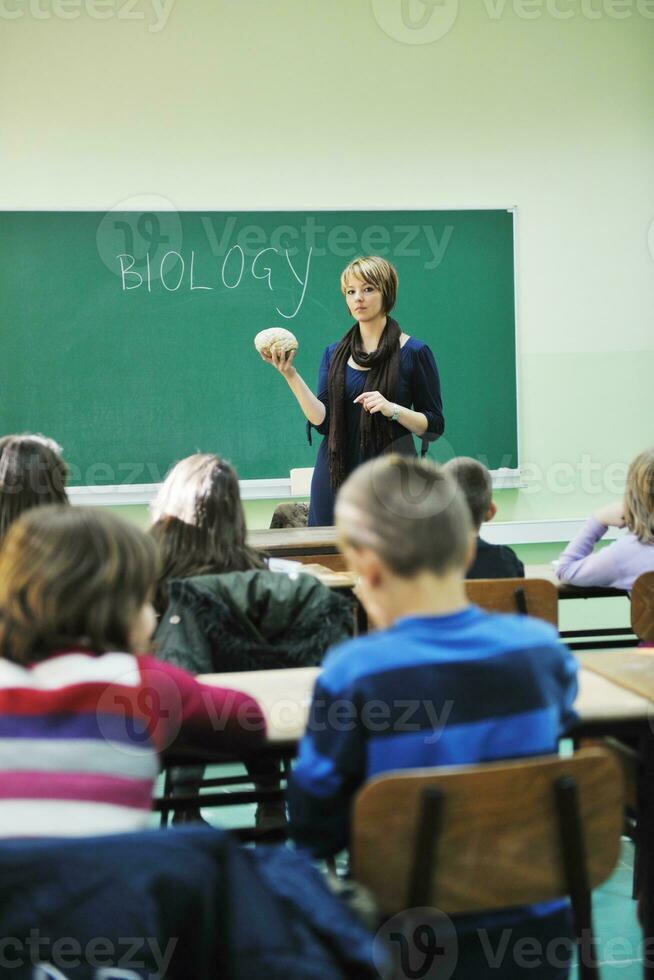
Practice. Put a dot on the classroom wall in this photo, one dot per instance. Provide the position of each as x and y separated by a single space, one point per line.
543 104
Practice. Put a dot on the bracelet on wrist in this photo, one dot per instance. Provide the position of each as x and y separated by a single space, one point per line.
396 413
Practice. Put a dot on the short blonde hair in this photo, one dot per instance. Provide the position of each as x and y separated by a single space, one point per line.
639 497
407 510
378 273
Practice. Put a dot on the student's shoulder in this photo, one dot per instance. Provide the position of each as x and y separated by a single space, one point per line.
352 660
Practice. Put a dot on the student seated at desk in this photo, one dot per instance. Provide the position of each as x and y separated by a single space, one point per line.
199 524
619 565
212 620
83 716
32 474
476 483
483 686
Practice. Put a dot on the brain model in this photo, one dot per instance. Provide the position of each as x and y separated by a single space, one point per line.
276 338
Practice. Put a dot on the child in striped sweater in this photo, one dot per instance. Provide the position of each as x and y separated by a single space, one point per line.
84 715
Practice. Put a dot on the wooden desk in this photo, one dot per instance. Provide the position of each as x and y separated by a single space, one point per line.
587 639
285 696
316 546
308 543
335 580
295 542
571 591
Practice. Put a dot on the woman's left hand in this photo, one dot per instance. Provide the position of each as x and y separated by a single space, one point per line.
373 401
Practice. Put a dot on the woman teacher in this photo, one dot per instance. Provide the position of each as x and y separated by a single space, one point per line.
377 387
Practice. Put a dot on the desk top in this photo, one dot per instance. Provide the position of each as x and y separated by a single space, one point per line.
285 696
570 591
295 541
283 540
347 580
335 580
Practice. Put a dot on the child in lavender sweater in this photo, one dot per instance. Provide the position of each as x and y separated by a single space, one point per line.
619 565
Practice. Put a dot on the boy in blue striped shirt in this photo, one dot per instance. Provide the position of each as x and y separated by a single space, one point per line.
440 683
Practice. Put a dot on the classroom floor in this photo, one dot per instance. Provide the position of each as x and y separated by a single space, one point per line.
616 927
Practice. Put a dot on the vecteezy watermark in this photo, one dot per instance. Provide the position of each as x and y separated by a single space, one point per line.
143 249
154 12
587 475
416 944
426 21
570 9
422 944
141 711
415 21
116 958
376 716
146 227
413 239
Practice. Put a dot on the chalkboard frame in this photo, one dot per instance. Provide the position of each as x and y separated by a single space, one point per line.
273 488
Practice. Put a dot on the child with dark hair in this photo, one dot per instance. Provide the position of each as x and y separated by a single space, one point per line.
32 473
199 524
476 483
221 609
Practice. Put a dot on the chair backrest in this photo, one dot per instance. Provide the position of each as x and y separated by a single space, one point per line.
499 843
642 607
532 596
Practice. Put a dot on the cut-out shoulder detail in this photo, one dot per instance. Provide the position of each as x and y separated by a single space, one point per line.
404 339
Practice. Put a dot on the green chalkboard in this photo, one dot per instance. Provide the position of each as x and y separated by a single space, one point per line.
128 337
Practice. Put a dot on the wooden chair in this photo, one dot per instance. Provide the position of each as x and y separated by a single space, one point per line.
642 607
530 596
481 838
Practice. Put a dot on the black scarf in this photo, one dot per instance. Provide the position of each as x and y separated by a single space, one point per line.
376 430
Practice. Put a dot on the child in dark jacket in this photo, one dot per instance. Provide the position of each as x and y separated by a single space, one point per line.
475 481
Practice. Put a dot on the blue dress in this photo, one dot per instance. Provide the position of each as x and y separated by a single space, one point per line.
418 388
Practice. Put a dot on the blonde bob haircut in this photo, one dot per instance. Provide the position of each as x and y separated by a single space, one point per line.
409 512
639 497
376 272
71 577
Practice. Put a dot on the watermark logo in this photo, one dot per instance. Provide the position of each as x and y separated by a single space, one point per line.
146 231
416 21
570 9
141 709
407 491
416 944
153 12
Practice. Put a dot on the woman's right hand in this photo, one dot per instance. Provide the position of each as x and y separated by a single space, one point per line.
281 362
